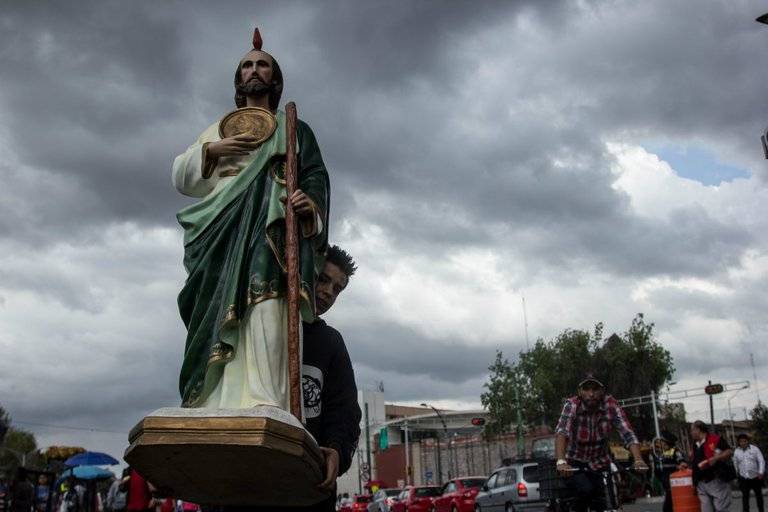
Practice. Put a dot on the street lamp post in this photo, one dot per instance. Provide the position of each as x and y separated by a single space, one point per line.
730 415
445 436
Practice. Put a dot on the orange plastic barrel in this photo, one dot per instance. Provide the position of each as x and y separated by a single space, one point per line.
684 497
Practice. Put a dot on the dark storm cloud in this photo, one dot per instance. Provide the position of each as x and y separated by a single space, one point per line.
86 89
104 106
450 126
614 77
404 351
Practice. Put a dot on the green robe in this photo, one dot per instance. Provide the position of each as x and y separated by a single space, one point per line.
234 246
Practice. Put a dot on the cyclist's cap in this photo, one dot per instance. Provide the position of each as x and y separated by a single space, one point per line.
590 377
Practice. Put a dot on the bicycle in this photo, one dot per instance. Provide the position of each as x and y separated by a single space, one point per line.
560 496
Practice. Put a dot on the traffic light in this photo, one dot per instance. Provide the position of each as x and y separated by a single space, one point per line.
713 389
478 422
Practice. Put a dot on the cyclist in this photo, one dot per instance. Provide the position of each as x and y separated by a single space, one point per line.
581 442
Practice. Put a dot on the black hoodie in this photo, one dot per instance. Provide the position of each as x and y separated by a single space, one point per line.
330 395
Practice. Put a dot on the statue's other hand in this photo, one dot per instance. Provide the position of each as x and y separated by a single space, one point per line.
237 145
302 204
331 469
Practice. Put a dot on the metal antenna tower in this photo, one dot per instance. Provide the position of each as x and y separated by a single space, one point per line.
525 323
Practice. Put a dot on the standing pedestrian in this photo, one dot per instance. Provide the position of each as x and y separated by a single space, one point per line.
666 460
42 493
22 492
750 468
712 472
117 496
71 498
139 494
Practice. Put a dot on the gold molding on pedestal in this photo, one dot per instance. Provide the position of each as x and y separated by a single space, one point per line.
243 461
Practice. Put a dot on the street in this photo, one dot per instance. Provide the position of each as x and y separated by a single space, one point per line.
654 504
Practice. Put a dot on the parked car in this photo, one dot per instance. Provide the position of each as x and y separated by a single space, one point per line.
458 495
511 488
383 499
359 503
416 499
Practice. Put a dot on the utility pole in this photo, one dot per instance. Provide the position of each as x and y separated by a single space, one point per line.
445 434
407 457
359 472
439 463
711 409
368 442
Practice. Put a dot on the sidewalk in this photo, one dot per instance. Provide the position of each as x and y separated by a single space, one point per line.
660 499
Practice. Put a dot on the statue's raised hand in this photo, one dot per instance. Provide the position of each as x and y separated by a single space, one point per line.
232 146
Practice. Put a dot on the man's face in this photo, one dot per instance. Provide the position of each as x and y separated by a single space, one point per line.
256 72
743 443
591 394
330 284
697 434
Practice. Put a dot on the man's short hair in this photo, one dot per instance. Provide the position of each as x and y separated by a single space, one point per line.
341 259
701 426
742 436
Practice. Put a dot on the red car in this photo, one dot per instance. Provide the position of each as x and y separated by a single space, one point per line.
416 499
458 495
359 503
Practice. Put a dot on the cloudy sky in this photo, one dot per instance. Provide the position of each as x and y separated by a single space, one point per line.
599 159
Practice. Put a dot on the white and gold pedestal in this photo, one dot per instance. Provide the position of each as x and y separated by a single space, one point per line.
240 457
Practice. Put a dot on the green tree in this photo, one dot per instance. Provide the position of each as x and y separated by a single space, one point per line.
5 424
635 364
550 372
631 364
499 398
17 446
760 426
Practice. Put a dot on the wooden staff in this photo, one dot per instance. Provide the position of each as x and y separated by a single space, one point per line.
292 263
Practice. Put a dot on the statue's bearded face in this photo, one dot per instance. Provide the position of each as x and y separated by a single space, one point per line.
256 70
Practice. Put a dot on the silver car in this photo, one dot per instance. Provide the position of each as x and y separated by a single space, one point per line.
511 488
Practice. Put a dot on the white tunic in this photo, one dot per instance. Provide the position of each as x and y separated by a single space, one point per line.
258 373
